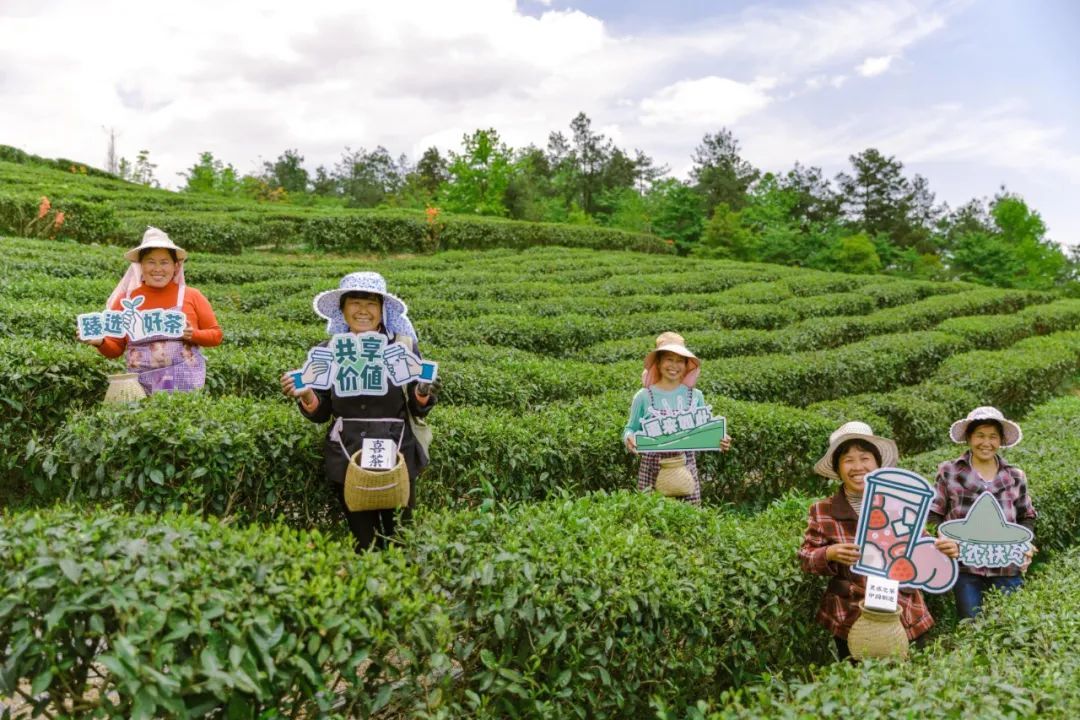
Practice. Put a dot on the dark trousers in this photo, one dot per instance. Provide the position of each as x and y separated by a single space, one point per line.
969 590
373 529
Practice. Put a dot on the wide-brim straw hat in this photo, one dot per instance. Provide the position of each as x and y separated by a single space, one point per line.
328 303
673 343
155 238
1013 433
855 431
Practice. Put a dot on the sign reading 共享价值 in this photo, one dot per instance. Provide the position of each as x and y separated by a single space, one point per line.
131 323
362 364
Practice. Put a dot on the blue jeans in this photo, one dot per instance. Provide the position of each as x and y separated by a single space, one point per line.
969 590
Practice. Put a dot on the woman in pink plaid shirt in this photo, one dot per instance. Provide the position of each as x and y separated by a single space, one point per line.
829 542
961 481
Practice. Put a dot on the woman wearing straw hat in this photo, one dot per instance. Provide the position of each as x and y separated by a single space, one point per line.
829 547
668 380
959 484
362 304
156 273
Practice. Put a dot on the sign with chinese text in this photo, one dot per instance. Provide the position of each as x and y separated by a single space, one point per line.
986 539
681 428
890 533
362 364
132 323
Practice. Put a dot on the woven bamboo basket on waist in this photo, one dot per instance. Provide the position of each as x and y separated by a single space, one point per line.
376 489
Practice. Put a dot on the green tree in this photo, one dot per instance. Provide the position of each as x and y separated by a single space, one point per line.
366 179
726 236
1013 252
288 172
210 175
679 215
324 184
479 175
854 254
530 194
878 199
720 173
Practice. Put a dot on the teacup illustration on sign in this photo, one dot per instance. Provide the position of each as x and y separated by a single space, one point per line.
890 533
986 539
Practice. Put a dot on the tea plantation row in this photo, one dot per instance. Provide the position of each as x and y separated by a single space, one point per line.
552 610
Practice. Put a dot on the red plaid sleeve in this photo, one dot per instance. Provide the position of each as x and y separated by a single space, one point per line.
821 532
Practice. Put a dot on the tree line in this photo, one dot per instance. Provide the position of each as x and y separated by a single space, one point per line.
874 217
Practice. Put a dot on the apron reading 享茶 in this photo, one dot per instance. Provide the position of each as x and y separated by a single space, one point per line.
164 363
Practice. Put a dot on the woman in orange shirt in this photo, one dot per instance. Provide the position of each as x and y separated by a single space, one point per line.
157 275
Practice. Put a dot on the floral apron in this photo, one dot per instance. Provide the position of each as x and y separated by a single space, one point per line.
167 364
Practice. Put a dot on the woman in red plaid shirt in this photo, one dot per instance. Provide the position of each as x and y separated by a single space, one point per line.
961 481
829 542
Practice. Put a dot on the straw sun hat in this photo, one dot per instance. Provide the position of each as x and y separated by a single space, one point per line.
855 431
1013 434
154 238
673 343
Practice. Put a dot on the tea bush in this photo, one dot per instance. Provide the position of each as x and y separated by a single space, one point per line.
1015 660
587 607
221 456
141 616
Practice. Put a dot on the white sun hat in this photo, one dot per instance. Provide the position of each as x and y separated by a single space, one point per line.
154 238
855 430
1013 434
395 316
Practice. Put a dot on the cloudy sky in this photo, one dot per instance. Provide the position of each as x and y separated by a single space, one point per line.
972 94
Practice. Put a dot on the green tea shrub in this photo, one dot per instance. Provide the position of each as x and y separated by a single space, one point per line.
1015 660
213 455
143 616
1015 379
587 607
41 385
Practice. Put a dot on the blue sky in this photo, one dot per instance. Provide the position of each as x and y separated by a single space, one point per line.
972 94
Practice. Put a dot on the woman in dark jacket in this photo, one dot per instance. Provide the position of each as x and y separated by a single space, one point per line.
361 304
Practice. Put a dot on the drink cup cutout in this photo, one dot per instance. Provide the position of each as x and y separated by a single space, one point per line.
891 532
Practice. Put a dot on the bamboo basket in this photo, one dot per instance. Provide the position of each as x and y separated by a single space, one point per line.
674 478
877 634
124 387
376 489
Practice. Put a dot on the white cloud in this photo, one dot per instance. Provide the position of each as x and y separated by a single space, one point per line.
872 66
709 101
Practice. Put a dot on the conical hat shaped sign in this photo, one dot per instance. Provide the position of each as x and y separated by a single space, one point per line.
985 523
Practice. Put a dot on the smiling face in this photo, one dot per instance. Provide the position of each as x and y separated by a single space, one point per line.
984 441
158 267
672 367
854 463
363 313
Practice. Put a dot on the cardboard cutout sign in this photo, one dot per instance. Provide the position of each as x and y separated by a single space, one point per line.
132 323
362 364
680 428
890 533
986 539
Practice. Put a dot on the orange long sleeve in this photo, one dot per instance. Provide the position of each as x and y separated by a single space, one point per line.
206 331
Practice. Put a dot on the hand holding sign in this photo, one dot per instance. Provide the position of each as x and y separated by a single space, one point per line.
316 371
132 320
